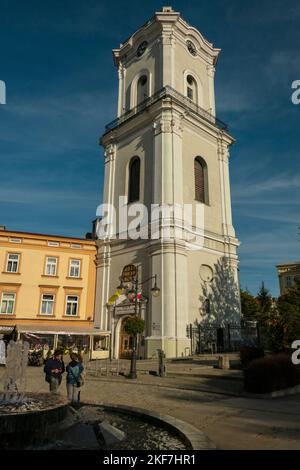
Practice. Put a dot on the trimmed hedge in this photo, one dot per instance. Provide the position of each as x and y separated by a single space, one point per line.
249 353
271 373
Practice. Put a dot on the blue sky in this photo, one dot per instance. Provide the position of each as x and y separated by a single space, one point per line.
55 58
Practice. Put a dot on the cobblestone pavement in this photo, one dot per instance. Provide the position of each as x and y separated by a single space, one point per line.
204 397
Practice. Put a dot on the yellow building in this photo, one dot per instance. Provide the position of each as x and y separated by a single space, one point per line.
288 274
47 291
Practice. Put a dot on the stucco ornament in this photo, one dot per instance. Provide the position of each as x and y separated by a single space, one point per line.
206 273
141 48
191 48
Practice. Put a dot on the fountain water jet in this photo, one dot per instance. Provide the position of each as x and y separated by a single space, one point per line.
14 380
26 419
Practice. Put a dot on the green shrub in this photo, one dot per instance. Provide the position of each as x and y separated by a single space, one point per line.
271 373
134 325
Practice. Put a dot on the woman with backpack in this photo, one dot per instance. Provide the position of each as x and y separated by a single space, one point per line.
74 378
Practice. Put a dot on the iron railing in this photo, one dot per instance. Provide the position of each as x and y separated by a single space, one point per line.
167 92
213 338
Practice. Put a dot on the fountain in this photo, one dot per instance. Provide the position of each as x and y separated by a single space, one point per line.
14 380
24 416
47 421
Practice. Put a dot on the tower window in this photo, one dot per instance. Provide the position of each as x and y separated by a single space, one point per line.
191 87
200 174
142 89
143 80
191 48
134 180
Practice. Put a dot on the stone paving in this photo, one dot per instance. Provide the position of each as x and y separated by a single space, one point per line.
209 399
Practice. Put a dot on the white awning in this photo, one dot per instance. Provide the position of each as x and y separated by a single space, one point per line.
6 330
59 330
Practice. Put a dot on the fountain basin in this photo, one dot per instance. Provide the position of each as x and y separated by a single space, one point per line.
55 425
143 429
189 435
140 431
27 421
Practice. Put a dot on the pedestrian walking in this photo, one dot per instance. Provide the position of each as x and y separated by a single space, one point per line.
74 378
54 368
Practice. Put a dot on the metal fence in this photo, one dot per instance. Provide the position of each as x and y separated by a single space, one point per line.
213 339
167 92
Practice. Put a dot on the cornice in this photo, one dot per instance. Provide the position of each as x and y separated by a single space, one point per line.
127 49
127 245
167 23
186 30
153 113
161 246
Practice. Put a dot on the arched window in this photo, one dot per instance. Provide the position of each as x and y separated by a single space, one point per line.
191 88
201 183
142 89
134 180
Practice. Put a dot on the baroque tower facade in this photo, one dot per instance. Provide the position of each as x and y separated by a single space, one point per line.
167 148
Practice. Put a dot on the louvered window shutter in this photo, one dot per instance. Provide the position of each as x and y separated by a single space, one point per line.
134 180
199 181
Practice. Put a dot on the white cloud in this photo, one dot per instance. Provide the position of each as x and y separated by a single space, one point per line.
52 125
257 189
46 196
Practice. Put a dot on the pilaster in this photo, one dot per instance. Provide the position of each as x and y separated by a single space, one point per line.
121 94
103 262
168 174
169 312
223 158
168 42
211 88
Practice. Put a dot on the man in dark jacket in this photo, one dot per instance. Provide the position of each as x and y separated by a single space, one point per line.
54 368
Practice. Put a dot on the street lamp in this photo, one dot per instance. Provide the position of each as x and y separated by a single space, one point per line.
155 291
132 294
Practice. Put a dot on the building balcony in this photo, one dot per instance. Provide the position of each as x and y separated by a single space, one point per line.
167 92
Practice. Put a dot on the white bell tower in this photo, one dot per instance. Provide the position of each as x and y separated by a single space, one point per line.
167 147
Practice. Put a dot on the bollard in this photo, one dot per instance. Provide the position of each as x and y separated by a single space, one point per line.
161 363
224 362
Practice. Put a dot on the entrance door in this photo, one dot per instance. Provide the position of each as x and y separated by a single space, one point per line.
126 343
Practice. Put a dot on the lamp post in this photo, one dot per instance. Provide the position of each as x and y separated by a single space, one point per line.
155 291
